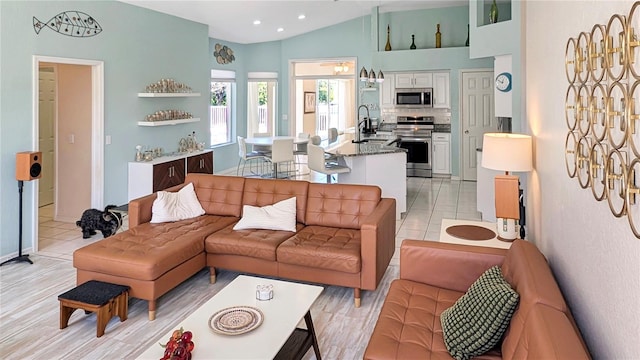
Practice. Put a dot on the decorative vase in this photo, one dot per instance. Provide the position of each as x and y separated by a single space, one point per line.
438 37
388 46
467 42
413 42
493 13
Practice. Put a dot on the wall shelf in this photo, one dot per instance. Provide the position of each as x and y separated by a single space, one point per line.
167 122
166 95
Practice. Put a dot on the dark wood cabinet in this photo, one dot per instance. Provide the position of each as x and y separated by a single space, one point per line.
146 177
168 174
202 163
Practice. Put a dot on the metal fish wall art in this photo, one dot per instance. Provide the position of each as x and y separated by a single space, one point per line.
70 23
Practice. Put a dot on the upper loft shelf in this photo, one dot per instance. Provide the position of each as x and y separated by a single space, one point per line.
166 95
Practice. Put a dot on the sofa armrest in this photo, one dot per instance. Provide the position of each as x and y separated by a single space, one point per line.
444 265
377 243
140 208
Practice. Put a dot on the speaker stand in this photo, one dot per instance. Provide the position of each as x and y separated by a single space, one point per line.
20 257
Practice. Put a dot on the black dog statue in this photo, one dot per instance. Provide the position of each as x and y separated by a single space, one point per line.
107 222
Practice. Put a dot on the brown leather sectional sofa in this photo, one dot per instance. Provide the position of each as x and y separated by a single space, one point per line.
345 237
434 275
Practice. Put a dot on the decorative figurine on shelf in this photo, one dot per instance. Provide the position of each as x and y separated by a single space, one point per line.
467 42
388 46
438 37
493 13
413 42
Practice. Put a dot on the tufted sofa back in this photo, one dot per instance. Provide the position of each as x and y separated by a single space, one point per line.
218 195
526 269
261 192
339 205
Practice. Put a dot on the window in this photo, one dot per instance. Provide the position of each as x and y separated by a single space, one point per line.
220 110
261 104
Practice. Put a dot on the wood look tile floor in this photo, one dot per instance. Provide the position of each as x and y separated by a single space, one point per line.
29 308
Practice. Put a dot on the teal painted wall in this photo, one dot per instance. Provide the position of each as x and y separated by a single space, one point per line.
226 156
137 47
422 23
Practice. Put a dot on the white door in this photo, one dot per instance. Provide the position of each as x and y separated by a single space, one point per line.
47 122
477 117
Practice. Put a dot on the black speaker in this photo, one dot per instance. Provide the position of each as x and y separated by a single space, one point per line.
28 165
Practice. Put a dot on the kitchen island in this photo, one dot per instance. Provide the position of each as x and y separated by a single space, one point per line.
373 163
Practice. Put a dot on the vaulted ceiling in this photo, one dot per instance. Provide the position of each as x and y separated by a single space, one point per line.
234 20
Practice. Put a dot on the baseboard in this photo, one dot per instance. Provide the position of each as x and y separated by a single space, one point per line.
26 251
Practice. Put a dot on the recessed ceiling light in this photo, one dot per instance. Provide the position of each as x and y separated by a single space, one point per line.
256 22
301 16
280 29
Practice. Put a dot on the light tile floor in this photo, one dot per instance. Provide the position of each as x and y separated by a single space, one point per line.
60 239
429 200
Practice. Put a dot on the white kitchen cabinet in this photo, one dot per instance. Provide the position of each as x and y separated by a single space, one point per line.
147 177
441 153
441 92
387 92
414 80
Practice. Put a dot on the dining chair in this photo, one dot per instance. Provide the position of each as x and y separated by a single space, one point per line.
318 164
245 157
301 149
263 149
333 135
315 140
281 152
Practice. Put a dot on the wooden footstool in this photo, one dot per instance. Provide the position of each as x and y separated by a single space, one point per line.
105 299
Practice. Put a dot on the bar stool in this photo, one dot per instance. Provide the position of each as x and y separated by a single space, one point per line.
318 164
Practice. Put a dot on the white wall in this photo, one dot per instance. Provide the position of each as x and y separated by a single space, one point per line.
594 255
503 100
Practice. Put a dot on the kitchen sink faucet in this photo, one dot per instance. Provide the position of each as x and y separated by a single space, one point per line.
357 140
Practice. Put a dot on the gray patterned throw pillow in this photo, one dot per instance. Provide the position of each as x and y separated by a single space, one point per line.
477 321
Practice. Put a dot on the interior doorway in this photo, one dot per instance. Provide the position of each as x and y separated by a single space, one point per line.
477 113
68 127
323 96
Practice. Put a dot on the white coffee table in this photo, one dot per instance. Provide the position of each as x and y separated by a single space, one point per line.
494 242
290 304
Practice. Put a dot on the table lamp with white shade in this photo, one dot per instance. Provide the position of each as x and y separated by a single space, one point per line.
509 153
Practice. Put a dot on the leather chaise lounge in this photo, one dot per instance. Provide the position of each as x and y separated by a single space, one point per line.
345 236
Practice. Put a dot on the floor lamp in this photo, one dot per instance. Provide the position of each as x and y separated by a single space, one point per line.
509 153
28 167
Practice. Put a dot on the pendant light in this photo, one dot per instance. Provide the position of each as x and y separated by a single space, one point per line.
363 74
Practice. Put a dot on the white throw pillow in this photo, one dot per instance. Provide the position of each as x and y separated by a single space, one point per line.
175 206
279 216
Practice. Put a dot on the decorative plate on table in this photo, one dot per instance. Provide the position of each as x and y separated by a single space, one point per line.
236 320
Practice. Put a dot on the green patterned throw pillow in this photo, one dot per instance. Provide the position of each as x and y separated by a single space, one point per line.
477 321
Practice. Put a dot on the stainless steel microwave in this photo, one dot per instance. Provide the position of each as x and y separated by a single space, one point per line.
414 97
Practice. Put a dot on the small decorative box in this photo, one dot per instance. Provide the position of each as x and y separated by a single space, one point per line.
264 292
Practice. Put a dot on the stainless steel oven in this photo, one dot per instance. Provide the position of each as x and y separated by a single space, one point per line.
414 133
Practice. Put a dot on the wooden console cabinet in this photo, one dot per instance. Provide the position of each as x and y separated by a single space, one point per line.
150 176
202 163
